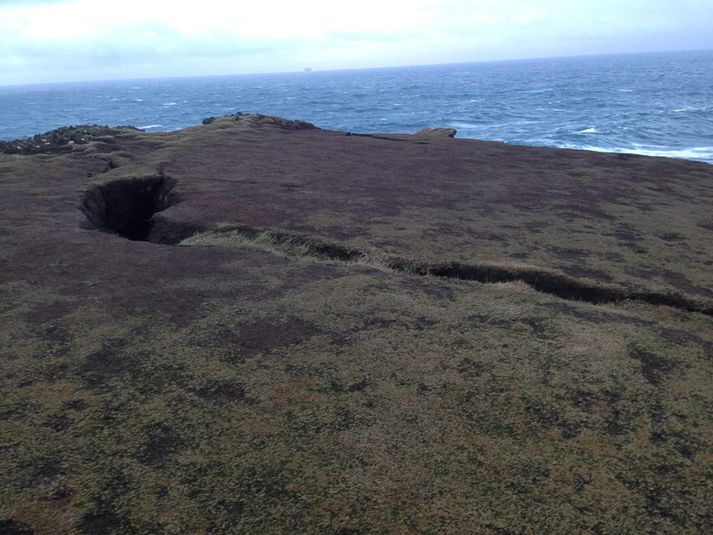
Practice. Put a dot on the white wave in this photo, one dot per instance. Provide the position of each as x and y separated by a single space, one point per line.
692 153
169 103
625 90
702 154
149 126
692 108
138 100
589 131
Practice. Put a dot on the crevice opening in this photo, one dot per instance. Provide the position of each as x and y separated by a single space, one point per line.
126 206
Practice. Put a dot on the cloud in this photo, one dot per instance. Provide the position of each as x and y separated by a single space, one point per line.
74 39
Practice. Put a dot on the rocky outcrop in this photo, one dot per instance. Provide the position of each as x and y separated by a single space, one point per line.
285 124
436 132
59 140
257 119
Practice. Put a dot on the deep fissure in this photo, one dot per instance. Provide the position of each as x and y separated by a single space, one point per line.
127 206
560 285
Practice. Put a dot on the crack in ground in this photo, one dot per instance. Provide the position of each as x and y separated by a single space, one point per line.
544 281
128 207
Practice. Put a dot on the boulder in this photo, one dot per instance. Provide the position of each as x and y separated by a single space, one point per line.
437 132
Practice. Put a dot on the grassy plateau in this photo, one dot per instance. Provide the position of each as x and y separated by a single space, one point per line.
259 326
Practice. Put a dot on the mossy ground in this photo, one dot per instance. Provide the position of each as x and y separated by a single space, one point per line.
158 389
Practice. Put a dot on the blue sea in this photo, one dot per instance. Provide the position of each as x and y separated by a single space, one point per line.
656 104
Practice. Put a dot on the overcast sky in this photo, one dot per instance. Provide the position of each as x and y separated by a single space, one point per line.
61 40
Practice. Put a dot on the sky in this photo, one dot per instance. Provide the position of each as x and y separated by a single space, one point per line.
71 40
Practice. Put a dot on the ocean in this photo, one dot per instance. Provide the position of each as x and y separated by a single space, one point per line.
656 103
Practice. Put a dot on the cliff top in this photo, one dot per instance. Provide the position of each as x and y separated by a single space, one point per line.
256 325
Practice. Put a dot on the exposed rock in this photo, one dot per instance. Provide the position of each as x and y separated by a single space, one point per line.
258 119
59 140
285 124
436 132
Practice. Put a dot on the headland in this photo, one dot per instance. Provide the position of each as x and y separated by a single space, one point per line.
258 326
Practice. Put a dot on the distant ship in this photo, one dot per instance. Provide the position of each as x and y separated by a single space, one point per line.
308 69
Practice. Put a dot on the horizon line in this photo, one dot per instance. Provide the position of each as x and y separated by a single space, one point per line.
308 70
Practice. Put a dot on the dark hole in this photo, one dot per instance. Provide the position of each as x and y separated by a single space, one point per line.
126 206
12 527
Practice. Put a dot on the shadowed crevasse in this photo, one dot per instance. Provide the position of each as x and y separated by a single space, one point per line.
544 281
127 206
563 286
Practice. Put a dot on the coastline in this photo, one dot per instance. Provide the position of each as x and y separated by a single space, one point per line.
611 103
